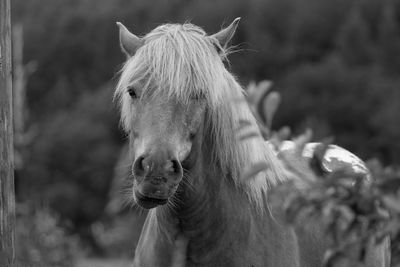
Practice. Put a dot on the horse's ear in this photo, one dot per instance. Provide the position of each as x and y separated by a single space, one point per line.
225 35
129 42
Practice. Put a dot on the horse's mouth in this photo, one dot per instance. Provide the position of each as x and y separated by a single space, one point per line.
149 202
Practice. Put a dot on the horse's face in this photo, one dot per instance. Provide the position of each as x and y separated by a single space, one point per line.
162 136
163 126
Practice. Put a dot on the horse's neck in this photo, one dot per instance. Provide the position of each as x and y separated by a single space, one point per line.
212 210
156 243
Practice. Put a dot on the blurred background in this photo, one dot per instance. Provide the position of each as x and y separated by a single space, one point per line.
336 64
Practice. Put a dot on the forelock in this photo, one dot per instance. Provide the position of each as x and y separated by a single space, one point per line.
177 60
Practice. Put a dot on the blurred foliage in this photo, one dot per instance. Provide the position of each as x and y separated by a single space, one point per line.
357 210
41 242
335 64
119 235
70 164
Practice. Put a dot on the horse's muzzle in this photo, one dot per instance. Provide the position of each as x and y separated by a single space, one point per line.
156 177
149 202
152 192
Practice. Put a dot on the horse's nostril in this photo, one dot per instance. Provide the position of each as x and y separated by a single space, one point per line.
173 167
139 167
176 167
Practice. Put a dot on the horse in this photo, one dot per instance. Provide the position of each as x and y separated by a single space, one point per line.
182 110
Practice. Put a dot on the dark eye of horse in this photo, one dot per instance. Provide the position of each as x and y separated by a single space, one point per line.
131 92
192 136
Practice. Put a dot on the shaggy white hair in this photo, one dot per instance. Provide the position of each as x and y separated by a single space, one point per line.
182 62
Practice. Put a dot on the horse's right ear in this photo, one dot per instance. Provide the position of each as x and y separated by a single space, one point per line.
129 42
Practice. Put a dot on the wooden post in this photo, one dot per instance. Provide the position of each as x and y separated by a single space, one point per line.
20 75
21 72
18 82
7 200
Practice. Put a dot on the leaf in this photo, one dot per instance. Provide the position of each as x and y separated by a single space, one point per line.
255 93
269 107
302 140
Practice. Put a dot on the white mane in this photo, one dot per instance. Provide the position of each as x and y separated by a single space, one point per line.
181 61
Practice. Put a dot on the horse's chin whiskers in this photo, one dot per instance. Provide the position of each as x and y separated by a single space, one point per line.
128 203
171 203
186 180
126 187
141 210
127 192
177 200
187 184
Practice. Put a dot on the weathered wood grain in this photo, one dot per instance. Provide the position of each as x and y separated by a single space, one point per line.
7 200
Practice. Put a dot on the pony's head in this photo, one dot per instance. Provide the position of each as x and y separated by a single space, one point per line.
172 82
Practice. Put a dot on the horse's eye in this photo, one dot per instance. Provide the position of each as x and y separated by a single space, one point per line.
192 136
131 92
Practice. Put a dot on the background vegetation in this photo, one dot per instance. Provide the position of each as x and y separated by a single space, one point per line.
335 63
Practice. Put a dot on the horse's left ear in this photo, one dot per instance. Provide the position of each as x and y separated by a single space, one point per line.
129 42
225 35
